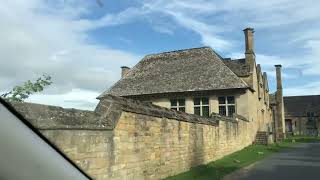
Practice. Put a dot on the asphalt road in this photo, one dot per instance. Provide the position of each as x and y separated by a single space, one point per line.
300 162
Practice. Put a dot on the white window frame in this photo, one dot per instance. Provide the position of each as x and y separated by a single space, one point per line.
202 105
177 107
226 104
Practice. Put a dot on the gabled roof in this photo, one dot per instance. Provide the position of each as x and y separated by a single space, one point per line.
300 105
238 66
197 69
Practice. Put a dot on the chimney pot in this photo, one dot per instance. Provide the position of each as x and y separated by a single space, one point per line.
124 70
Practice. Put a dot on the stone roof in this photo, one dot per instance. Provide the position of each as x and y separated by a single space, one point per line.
238 66
300 105
197 69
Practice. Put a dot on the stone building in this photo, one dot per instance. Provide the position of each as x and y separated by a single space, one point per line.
169 113
199 81
302 115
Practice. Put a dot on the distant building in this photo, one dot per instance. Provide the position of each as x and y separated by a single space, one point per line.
302 114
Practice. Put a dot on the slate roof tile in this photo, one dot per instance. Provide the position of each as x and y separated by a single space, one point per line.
238 66
196 69
301 105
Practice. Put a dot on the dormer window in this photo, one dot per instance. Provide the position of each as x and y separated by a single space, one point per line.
178 104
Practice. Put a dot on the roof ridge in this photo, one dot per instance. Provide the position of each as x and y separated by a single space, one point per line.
178 50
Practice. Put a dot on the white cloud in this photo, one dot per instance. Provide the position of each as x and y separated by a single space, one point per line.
290 23
51 37
81 99
157 13
207 32
38 38
312 88
188 14
312 58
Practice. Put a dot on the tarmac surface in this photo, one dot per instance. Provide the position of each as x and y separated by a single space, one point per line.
299 162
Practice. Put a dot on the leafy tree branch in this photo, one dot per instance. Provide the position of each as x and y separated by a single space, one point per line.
22 92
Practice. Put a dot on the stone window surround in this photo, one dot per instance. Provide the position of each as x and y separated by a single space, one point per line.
226 104
202 105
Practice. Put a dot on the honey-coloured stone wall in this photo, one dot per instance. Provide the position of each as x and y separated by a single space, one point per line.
131 140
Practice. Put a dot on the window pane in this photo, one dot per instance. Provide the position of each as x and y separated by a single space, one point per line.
197 110
205 101
173 102
231 110
182 109
196 101
230 99
222 100
205 111
181 102
222 110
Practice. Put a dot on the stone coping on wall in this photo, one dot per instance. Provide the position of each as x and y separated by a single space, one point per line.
239 117
130 105
54 117
106 114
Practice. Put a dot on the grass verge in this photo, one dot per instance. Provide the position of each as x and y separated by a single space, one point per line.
219 168
303 139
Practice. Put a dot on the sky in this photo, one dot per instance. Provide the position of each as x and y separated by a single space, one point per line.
81 44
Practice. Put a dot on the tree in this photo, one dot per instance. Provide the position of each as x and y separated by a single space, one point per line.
20 93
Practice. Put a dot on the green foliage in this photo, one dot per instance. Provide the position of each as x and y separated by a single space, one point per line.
20 93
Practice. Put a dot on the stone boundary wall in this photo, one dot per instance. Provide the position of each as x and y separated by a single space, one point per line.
45 117
129 139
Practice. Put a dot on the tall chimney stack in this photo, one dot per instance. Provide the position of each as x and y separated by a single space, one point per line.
248 33
124 71
250 58
249 53
280 123
279 79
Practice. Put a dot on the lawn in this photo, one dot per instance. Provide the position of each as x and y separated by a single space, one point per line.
232 162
